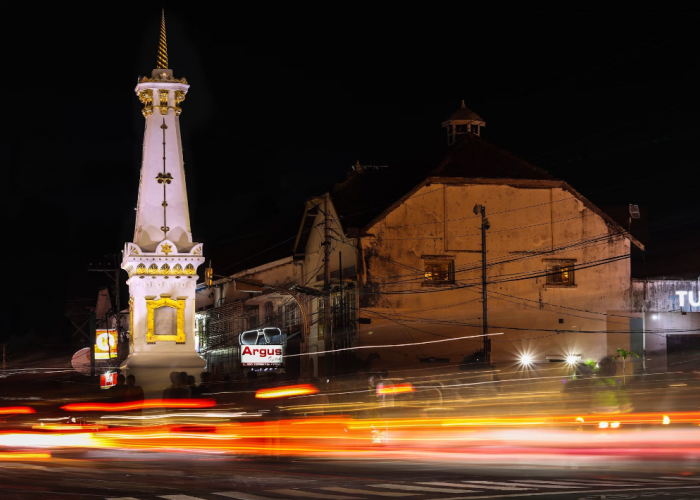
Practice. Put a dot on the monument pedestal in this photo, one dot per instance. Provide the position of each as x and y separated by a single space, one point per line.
152 371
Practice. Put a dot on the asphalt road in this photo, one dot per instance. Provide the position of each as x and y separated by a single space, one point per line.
119 475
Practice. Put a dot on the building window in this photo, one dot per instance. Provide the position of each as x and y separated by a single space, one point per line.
269 314
253 317
439 272
560 273
475 129
293 314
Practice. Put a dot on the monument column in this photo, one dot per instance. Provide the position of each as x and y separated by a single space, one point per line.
162 261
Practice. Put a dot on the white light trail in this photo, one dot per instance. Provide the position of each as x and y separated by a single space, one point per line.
392 345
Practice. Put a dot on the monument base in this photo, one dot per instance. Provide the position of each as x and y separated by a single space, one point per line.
152 371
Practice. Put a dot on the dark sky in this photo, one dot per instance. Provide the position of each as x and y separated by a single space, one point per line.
285 99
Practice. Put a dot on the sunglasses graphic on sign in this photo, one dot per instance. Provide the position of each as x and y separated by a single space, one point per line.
261 347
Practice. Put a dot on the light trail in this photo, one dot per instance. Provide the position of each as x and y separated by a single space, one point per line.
282 392
391 345
141 405
16 410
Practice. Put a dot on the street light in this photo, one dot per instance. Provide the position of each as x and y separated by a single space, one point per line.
525 359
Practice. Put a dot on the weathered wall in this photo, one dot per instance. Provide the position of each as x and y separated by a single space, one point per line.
660 295
661 308
526 223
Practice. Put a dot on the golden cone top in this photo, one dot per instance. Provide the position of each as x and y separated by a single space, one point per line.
162 46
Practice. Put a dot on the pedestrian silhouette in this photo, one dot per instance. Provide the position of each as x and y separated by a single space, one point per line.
192 384
118 391
184 388
133 391
204 386
172 392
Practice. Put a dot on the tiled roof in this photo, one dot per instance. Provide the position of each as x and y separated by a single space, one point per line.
364 195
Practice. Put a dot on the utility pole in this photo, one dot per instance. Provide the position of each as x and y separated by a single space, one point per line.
116 310
327 335
341 315
485 226
118 300
93 340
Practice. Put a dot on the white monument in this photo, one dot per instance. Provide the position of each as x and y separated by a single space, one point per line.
162 261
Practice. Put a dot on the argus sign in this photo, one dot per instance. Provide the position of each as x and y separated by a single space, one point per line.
263 355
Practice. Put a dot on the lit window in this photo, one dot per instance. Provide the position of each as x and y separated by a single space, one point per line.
560 273
439 271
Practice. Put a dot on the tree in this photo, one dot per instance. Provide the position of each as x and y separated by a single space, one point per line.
621 353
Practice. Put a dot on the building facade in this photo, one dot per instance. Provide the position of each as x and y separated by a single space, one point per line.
411 274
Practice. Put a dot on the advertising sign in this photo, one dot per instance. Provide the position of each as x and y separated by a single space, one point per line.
106 344
108 379
261 355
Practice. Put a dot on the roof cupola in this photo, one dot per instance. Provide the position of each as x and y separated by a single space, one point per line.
463 121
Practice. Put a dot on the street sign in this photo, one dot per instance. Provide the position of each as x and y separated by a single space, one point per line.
108 379
261 355
105 344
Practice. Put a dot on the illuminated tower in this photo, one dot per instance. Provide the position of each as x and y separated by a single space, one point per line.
162 261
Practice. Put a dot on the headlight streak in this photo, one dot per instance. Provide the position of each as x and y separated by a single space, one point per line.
141 405
176 415
290 390
24 456
69 427
417 437
16 410
392 345
395 389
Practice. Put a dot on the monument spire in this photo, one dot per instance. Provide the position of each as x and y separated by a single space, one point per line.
162 45
162 260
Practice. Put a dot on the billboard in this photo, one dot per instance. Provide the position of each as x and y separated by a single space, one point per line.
261 355
105 344
108 379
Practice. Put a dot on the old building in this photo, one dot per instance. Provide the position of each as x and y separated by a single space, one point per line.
405 265
669 317
229 308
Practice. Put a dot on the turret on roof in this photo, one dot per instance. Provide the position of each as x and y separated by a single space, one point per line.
461 122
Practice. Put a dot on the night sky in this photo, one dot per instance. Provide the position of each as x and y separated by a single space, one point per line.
285 99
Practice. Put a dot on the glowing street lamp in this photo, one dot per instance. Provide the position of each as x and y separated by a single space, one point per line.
526 360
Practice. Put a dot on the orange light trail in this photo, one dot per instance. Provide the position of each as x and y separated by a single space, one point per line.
141 405
396 389
24 456
69 427
346 436
290 390
16 410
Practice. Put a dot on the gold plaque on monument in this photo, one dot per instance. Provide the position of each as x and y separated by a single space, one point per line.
166 320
